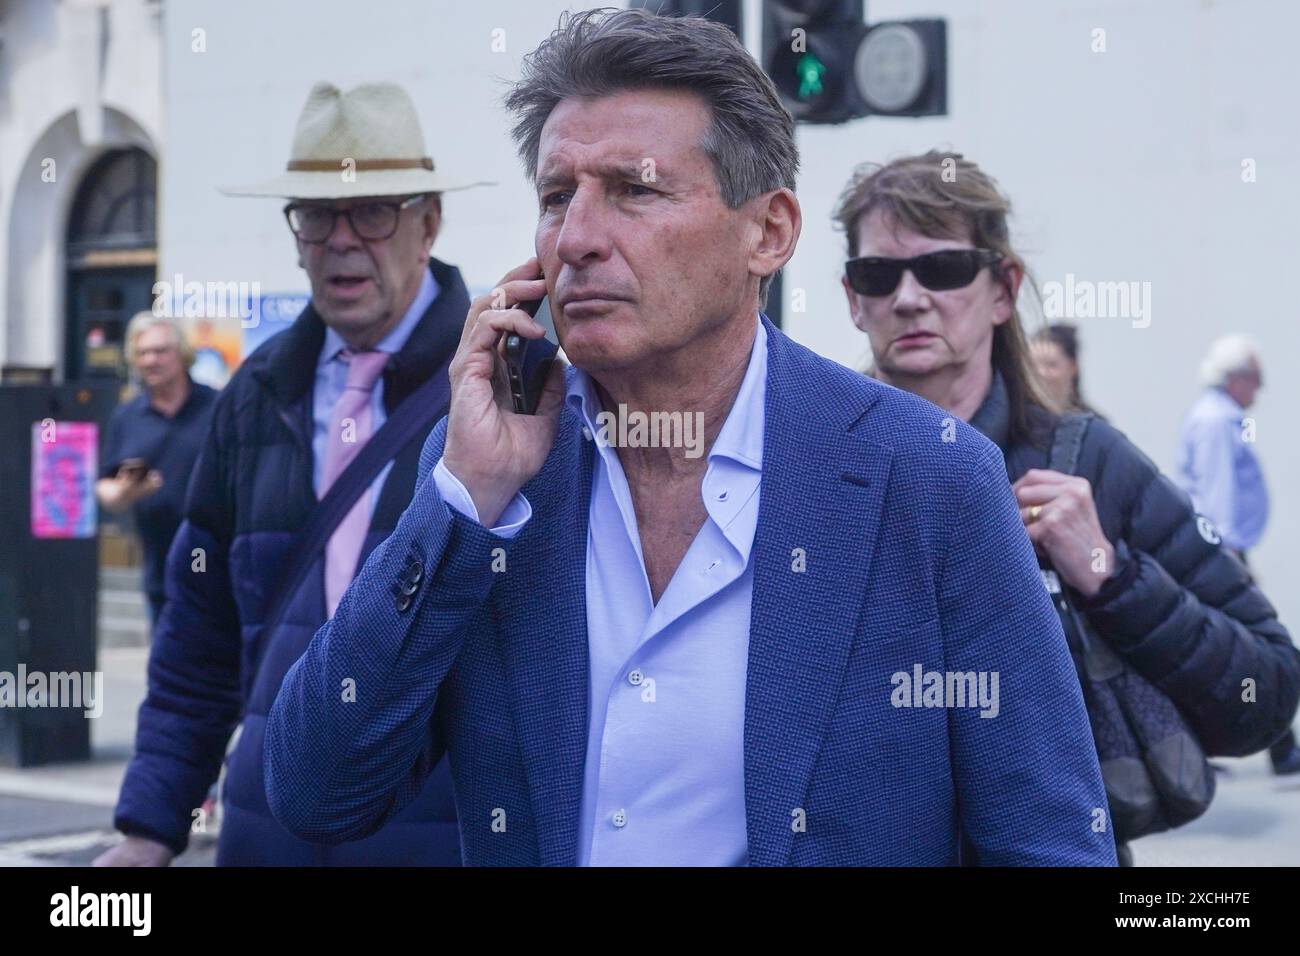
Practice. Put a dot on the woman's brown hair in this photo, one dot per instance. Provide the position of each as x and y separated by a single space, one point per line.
945 196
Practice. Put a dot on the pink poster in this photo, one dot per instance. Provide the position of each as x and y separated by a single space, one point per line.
64 468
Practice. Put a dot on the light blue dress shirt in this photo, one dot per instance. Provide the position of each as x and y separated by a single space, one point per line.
1220 470
332 376
664 781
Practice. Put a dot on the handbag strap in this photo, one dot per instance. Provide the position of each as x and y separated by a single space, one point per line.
1099 662
422 408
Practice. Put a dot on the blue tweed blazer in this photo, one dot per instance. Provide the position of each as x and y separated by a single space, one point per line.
888 544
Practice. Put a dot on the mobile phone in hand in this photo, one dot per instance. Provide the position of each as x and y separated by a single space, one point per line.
528 361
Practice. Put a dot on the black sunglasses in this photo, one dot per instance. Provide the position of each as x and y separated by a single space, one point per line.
937 271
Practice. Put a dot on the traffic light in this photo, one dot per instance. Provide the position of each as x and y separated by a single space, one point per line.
829 66
808 51
901 68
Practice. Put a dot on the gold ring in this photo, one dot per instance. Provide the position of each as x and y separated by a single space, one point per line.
1034 512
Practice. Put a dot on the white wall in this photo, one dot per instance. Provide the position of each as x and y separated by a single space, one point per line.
1123 165
73 84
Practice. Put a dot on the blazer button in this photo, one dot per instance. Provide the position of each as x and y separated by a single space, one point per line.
411 577
403 603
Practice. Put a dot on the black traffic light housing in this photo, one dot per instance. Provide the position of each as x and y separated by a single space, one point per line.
901 68
830 67
808 50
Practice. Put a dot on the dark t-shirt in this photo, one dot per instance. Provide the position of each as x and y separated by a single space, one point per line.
170 445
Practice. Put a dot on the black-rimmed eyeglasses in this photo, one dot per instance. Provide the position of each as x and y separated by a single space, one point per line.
373 221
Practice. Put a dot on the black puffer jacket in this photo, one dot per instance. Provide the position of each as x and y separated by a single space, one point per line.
1180 608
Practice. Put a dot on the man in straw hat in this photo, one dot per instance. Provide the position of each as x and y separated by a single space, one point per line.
311 459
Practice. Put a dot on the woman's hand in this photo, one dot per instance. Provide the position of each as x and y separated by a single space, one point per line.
1061 519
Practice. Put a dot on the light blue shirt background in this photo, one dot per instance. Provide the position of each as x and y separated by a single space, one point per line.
332 376
664 780
1221 471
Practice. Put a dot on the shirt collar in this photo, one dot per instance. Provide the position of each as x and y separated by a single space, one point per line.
741 437
190 399
395 340
1225 401
736 458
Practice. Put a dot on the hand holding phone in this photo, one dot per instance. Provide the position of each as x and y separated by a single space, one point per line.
492 449
528 361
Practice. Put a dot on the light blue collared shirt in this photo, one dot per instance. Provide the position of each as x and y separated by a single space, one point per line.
1218 467
332 376
664 781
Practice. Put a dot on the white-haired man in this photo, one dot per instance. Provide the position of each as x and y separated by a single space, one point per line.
1218 467
1217 464
153 441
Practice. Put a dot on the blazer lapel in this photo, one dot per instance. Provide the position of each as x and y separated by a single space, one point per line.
544 642
822 491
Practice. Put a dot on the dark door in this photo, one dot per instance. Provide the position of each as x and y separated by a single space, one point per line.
112 251
100 304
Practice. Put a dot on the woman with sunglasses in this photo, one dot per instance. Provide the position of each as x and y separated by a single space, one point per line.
933 281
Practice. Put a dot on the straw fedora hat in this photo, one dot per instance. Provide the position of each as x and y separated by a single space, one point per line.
365 142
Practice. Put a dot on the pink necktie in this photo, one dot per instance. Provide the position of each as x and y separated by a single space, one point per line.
349 430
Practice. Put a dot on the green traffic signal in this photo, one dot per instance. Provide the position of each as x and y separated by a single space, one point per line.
810 71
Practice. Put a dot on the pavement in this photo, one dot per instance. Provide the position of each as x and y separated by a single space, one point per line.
61 814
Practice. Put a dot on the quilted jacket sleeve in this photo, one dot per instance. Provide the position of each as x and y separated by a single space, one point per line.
1183 610
193 700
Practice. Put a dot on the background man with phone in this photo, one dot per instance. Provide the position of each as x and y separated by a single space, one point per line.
635 656
311 459
153 440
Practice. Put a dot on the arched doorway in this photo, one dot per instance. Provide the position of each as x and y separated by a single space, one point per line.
112 258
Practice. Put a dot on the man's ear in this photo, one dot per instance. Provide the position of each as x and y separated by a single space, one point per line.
777 222
1008 278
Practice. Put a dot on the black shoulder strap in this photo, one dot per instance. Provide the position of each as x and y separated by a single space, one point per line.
1067 440
421 408
1095 660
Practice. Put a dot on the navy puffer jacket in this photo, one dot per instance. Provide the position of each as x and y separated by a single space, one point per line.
1179 607
250 494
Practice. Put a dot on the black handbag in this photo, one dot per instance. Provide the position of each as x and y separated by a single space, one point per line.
1152 765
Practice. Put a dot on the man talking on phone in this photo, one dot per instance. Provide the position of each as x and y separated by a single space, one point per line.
638 648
